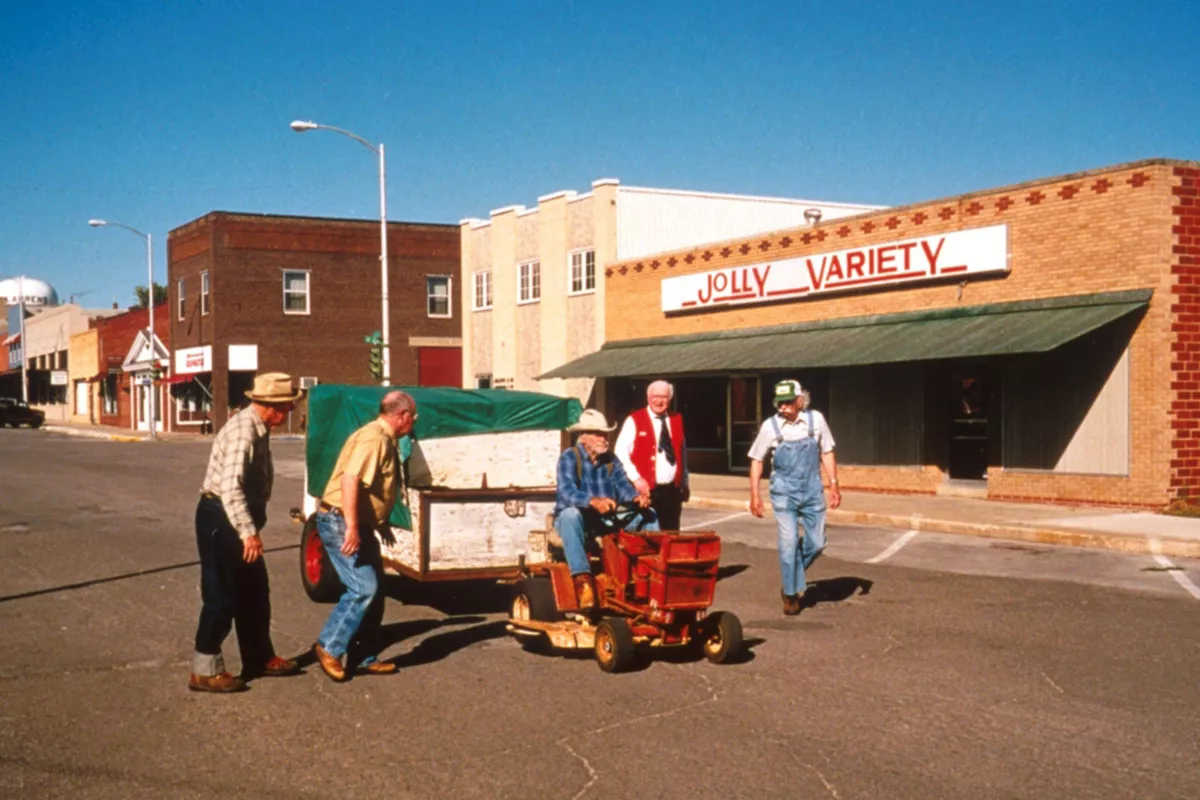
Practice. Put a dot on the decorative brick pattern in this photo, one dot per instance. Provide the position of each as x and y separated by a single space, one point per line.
974 207
1033 198
1184 413
1003 204
1068 191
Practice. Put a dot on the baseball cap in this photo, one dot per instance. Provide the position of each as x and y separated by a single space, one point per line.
787 391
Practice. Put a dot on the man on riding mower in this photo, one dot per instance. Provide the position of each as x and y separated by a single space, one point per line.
591 484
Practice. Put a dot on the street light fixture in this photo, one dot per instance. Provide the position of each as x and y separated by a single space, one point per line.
100 223
300 126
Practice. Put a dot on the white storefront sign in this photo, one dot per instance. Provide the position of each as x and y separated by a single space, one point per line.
58 377
243 357
193 360
960 254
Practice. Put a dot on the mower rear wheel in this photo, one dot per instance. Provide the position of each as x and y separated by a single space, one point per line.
615 648
533 599
320 579
722 636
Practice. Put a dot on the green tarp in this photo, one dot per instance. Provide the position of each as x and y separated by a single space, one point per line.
1030 326
336 411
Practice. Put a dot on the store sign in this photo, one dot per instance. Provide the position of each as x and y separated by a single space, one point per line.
961 254
193 360
243 357
59 377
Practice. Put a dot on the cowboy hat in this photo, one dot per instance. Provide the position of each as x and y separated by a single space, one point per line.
591 421
274 387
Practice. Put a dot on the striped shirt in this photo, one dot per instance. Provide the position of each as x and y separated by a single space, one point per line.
240 471
579 480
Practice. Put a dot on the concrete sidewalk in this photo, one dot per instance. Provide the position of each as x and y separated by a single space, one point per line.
116 434
1075 526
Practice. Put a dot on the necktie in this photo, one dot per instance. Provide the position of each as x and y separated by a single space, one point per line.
664 441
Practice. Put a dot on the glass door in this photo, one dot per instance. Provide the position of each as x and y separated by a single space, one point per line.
743 404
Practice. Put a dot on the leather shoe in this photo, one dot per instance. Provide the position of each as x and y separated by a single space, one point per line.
584 591
220 684
279 667
332 666
377 668
791 604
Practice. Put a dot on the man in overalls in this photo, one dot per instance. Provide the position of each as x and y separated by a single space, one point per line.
802 443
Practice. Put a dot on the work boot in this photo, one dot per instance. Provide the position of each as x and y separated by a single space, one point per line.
791 604
219 684
331 665
584 591
377 668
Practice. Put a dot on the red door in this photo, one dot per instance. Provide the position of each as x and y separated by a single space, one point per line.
439 366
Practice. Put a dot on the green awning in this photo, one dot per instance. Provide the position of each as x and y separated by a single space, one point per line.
1031 326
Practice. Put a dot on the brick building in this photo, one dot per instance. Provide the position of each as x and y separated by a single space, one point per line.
113 376
532 280
250 292
1039 341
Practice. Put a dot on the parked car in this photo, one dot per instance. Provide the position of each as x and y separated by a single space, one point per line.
14 413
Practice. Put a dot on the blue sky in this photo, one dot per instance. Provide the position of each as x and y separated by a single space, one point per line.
153 114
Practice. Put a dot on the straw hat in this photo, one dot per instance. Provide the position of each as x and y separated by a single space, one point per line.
591 421
274 387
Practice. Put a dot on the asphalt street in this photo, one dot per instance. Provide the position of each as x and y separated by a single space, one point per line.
933 667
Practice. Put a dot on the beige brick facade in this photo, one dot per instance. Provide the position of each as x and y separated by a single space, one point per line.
1127 227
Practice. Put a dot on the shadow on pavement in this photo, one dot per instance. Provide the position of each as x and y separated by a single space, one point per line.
731 570
835 590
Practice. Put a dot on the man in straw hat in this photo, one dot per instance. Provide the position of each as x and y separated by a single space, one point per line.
591 483
802 444
231 512
356 502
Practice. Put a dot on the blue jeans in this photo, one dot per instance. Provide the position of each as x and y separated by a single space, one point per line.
355 621
573 524
796 552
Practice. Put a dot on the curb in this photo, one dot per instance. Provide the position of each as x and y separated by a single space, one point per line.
1124 543
113 437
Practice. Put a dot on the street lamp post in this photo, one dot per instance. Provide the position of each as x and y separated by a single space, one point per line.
100 223
300 126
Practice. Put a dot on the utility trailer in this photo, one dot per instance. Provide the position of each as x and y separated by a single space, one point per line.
479 479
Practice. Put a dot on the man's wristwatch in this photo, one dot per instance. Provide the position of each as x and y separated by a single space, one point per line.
833 482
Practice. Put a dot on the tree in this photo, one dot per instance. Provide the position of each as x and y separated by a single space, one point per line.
160 295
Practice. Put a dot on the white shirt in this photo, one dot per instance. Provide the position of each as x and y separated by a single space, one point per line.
791 431
664 473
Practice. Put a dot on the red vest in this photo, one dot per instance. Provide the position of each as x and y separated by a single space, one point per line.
645 444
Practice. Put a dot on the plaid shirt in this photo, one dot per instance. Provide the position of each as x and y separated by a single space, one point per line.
240 471
594 480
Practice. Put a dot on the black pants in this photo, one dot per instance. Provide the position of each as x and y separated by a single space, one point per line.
231 590
668 503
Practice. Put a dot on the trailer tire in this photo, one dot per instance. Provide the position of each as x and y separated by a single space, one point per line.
320 580
615 648
722 637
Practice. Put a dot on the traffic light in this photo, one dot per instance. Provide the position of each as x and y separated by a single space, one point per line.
375 355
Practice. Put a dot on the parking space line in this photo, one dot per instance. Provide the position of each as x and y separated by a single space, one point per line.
1174 571
715 521
893 549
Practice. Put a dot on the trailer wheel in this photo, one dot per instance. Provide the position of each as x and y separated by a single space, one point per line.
722 637
533 599
615 648
321 583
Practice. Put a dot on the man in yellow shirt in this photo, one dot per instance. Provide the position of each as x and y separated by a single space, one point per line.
358 501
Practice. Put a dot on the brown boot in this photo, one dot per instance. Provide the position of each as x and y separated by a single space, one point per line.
330 664
377 668
584 591
791 604
220 684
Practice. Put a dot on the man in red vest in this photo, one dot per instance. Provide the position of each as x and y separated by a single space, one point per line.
654 454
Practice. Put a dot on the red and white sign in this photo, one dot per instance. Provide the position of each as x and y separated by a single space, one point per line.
193 360
960 254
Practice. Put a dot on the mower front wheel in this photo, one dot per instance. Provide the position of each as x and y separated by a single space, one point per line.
722 637
615 648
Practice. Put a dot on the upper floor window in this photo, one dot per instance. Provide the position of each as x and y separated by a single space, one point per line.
529 282
295 291
483 289
182 301
437 292
204 304
583 271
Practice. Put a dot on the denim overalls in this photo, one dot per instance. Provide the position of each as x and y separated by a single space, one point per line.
797 494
